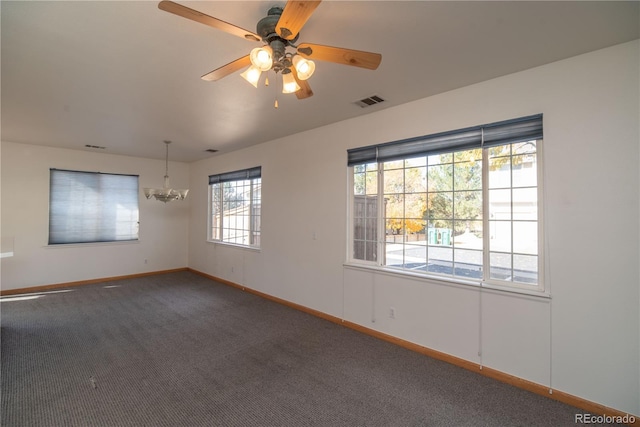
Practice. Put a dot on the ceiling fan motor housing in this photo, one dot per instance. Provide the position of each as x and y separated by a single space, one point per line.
266 28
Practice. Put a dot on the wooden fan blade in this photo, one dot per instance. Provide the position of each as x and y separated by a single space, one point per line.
294 16
357 58
194 15
305 90
225 70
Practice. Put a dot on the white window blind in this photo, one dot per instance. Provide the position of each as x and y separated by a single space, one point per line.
89 207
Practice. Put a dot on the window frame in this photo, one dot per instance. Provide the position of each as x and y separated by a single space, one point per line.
539 288
99 230
253 176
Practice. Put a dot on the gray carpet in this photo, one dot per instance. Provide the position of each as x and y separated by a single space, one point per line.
181 350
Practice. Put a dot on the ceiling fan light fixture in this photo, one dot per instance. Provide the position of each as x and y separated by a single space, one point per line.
262 58
304 67
279 30
289 84
252 75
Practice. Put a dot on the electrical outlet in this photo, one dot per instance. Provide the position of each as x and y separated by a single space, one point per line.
146 261
392 312
233 269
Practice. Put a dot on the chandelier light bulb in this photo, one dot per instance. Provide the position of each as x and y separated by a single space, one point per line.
289 84
252 75
304 67
262 58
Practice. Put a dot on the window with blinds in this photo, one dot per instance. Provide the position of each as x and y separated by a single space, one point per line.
463 204
235 200
89 207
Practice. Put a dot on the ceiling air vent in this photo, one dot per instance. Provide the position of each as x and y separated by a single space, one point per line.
95 146
368 102
211 150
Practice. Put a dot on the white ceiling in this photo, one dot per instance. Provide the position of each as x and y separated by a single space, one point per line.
126 75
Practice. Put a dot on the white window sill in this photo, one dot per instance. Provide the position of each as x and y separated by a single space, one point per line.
448 281
234 245
84 245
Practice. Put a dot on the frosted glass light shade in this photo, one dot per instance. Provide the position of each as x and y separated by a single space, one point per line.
252 75
262 58
304 67
289 84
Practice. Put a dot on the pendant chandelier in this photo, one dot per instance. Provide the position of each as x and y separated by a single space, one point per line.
166 194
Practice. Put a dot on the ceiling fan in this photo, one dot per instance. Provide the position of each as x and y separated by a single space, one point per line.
278 31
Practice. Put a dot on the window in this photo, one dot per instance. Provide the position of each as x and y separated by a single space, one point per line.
235 199
89 207
462 204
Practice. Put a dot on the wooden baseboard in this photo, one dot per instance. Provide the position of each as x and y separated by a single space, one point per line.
84 282
575 401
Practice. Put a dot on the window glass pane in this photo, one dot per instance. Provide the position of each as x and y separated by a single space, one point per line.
467 234
440 260
500 204
500 266
500 236
365 227
358 249
415 257
525 237
393 181
415 180
525 172
525 269
525 204
440 178
467 205
371 250
499 151
395 164
371 184
394 206
416 161
440 206
365 182
394 229
524 147
500 172
394 250
468 263
371 229
359 183
467 155
467 176
440 159
415 208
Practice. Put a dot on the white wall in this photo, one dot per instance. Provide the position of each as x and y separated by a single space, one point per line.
585 340
25 219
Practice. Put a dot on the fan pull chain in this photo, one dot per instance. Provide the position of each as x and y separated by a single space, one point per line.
275 104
